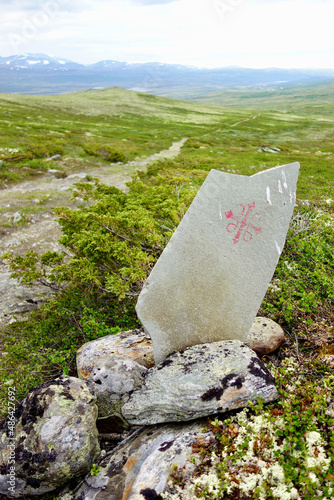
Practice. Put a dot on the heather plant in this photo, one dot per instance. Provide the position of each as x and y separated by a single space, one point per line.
115 238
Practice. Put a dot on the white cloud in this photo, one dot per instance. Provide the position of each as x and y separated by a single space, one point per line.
254 33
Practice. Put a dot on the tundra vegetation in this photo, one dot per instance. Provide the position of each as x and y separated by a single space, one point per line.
281 450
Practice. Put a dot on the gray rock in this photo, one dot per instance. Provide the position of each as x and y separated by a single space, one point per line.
54 158
134 345
144 464
1 163
17 299
268 149
56 438
200 381
17 217
265 336
211 278
80 175
111 380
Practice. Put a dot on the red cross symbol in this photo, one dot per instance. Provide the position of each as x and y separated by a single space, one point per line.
245 221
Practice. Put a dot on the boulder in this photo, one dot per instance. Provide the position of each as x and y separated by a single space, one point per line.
111 380
54 158
265 336
140 469
134 345
199 381
54 438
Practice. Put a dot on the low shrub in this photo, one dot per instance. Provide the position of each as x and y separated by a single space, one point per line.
17 157
46 149
302 288
104 151
35 164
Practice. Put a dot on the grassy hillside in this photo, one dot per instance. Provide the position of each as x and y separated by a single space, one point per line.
35 127
305 98
136 124
116 238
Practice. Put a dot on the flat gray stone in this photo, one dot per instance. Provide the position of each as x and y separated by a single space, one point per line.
200 381
211 278
141 468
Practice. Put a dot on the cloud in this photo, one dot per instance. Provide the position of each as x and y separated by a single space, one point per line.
153 2
252 33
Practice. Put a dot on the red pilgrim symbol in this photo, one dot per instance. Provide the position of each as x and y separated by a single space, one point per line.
245 220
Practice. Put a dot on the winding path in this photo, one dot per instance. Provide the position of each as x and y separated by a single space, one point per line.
246 120
42 231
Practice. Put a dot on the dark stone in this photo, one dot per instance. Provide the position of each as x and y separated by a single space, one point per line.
149 494
215 392
238 382
35 483
111 424
165 446
258 369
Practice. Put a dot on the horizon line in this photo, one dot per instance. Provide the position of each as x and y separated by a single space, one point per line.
231 66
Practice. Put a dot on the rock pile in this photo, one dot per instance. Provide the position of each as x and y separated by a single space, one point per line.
57 423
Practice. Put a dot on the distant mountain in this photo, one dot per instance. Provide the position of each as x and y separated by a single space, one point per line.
37 62
42 74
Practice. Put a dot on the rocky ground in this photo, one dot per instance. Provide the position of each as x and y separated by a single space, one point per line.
27 221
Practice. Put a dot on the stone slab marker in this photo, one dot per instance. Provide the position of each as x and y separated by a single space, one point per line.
211 278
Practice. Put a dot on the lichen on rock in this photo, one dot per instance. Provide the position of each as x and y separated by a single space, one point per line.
199 381
56 437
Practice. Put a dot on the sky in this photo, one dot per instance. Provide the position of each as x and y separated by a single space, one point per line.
202 33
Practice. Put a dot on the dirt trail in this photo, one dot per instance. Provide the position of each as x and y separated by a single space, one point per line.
40 231
246 120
